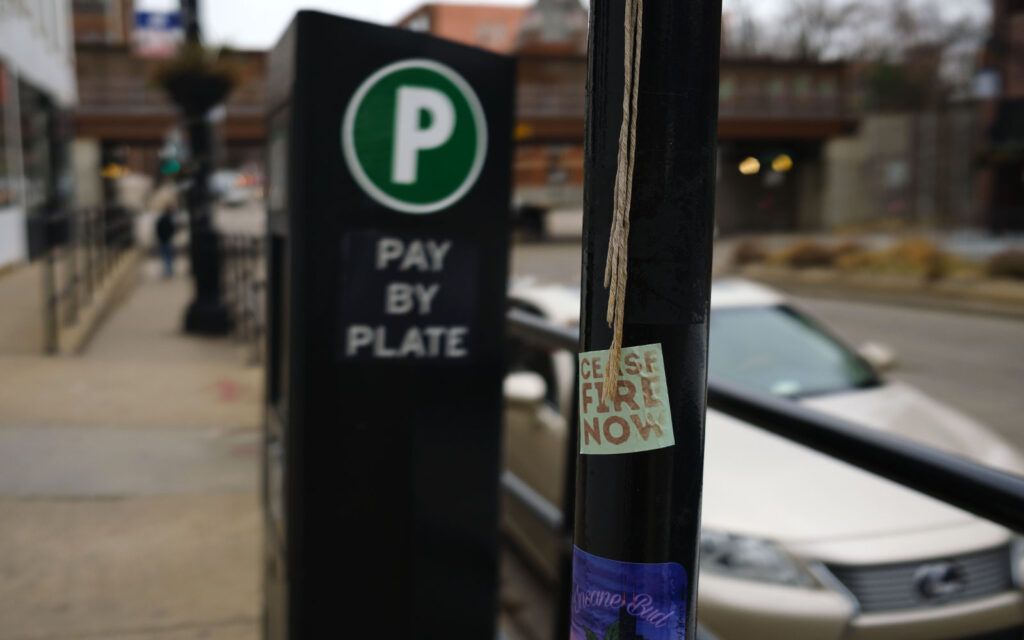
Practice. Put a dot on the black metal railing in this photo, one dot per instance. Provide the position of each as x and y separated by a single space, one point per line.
971 486
82 248
244 276
535 331
986 492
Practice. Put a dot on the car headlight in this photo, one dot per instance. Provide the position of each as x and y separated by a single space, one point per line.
749 559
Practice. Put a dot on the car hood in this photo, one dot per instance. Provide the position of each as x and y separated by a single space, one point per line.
904 411
763 485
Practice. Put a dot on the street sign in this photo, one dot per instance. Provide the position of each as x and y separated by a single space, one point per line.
415 136
389 162
156 34
408 298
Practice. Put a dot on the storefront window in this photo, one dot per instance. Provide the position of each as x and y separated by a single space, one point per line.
8 171
35 146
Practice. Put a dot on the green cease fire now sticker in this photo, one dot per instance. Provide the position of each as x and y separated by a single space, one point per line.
414 136
636 417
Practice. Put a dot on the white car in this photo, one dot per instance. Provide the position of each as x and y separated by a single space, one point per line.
231 187
796 545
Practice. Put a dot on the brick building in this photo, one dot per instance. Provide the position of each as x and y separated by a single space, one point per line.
484 26
121 108
548 41
768 108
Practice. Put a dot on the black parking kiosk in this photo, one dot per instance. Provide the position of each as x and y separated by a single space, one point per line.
389 169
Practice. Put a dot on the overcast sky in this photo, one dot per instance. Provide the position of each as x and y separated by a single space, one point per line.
257 24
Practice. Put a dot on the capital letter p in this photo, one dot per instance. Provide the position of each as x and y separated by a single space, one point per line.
410 138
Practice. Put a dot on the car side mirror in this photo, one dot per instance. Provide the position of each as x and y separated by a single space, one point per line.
525 387
878 355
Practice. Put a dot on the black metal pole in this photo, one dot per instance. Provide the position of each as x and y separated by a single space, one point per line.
563 617
644 507
986 492
207 313
190 20
51 313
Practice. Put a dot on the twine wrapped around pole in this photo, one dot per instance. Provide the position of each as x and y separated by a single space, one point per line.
618 241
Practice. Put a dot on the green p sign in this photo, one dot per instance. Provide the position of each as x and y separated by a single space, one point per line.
414 136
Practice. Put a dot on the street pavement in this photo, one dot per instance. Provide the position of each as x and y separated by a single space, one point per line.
972 362
21 297
128 482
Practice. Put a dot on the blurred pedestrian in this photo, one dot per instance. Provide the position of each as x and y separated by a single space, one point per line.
165 239
164 199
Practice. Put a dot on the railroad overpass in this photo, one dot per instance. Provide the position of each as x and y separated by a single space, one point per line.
768 108
120 106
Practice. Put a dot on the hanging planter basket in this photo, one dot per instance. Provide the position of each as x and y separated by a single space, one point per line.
197 80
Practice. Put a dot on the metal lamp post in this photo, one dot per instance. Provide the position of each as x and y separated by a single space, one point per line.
196 85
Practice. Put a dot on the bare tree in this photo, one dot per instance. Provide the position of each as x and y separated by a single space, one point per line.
932 49
823 29
870 29
742 34
922 50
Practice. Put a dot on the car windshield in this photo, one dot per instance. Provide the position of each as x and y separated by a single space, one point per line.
781 351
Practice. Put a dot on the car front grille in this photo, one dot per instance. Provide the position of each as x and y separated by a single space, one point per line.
927 583
1015 633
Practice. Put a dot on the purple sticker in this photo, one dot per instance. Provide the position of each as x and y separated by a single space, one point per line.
614 600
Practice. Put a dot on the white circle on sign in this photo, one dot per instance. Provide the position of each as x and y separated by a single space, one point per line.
355 166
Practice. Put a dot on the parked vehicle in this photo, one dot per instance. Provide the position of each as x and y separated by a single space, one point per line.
795 544
235 188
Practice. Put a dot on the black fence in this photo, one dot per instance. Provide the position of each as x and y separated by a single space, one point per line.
244 276
82 247
973 487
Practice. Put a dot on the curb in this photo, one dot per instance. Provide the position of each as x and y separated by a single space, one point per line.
73 340
994 298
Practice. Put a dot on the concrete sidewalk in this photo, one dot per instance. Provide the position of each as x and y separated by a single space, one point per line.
128 482
21 310
129 505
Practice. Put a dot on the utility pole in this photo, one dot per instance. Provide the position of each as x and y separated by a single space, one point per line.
639 471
